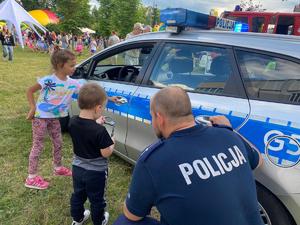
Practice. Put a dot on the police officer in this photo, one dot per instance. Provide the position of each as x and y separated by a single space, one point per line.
194 174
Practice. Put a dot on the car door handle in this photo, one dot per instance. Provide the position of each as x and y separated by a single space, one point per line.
203 119
121 100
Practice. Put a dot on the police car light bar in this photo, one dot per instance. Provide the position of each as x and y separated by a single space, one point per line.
178 19
182 18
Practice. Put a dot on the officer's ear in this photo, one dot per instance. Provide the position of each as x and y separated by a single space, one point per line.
160 118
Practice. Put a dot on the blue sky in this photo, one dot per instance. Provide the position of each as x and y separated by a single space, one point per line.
205 5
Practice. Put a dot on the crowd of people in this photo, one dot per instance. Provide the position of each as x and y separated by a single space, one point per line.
49 41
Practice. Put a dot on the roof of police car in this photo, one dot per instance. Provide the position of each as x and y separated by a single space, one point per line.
283 44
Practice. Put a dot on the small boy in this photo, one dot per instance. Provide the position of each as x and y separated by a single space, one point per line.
92 146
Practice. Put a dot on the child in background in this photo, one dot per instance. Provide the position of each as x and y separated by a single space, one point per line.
56 93
28 43
92 145
79 47
93 46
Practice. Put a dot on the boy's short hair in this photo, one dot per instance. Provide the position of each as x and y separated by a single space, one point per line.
91 95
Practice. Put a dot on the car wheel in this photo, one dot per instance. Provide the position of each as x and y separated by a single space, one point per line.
272 211
64 121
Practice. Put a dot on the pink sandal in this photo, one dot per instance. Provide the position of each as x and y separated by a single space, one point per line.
62 171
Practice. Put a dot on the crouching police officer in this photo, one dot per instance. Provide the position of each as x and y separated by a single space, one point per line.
194 174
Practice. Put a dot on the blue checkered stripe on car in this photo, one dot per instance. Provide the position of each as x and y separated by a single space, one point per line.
140 110
254 130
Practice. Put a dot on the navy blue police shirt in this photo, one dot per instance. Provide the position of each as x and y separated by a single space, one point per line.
200 175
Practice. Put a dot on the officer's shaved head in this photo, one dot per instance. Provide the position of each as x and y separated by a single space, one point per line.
173 102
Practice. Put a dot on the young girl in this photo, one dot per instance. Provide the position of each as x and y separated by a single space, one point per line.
56 93
79 47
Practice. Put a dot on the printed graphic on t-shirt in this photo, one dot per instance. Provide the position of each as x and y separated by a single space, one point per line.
55 97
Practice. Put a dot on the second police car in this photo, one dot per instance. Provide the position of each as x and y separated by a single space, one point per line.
252 79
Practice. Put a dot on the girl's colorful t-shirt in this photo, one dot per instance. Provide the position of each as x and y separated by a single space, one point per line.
55 96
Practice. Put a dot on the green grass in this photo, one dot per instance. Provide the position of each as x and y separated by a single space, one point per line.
20 205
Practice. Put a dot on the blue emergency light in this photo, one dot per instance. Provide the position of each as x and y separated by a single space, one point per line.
182 18
177 19
241 27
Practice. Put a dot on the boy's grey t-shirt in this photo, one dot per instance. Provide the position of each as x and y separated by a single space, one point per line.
88 138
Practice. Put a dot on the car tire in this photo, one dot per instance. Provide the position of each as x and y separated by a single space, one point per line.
64 122
273 212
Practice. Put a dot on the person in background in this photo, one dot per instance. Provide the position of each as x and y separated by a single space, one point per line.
74 45
137 29
8 44
29 43
100 43
113 39
93 46
53 36
92 145
50 42
64 41
132 57
194 174
147 29
79 46
4 49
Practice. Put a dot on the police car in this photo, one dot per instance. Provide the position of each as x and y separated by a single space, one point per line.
252 79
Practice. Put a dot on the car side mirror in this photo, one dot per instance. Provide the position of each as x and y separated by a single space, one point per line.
79 72
82 71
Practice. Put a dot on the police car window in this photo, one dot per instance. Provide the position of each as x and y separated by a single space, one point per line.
195 68
270 78
122 66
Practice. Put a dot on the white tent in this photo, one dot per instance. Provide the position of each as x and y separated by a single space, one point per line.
14 14
87 30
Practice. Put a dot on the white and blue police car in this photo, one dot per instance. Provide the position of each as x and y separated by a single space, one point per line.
252 79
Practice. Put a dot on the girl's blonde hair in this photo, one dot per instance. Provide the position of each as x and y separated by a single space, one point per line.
61 56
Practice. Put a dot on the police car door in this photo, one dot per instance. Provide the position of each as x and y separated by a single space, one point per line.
118 70
207 72
273 85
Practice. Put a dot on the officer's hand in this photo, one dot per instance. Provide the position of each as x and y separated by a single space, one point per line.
220 120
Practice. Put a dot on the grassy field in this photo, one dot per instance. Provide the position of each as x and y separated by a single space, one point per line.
20 205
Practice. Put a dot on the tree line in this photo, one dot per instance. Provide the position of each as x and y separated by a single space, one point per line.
118 15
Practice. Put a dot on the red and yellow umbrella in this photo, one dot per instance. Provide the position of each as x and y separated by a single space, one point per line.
44 16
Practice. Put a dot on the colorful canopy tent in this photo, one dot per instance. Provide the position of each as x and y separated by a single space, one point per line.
23 25
2 24
44 16
14 15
